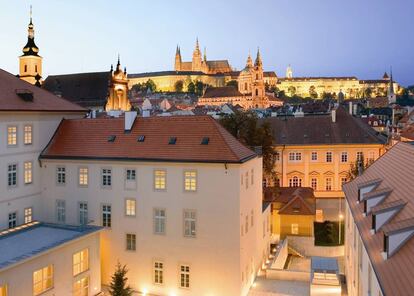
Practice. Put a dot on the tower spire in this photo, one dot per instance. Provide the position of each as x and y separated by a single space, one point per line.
249 62
258 61
30 14
197 45
205 54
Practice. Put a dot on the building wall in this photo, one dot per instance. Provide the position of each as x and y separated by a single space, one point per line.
358 270
218 253
23 195
306 169
282 224
61 259
31 63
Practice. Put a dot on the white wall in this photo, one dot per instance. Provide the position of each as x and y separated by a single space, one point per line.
218 253
61 259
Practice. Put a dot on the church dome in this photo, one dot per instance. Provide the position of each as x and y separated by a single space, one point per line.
30 49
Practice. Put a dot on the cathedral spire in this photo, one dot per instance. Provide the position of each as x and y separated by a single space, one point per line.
205 54
197 48
249 62
258 61
30 47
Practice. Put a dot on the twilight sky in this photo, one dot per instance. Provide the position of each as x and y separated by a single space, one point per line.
317 37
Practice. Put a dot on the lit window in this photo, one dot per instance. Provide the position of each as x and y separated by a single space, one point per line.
12 175
189 223
12 135
60 211
12 219
295 182
190 180
3 290
28 134
131 241
158 272
314 183
106 177
83 176
106 215
81 287
80 262
42 280
130 207
159 221
295 228
28 216
185 276
83 213
130 175
344 157
60 175
314 156
328 184
328 156
28 172
160 179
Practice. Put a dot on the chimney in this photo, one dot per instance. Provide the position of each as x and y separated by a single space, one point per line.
129 119
350 108
333 113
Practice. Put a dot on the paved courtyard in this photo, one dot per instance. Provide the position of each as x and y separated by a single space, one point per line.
266 287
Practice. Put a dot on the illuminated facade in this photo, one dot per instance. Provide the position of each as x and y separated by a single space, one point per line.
30 63
118 90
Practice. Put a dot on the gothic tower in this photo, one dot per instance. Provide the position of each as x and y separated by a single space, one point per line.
177 64
118 90
197 58
258 86
30 68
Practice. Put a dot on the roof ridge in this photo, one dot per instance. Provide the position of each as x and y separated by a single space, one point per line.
218 126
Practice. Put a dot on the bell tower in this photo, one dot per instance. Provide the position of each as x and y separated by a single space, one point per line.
258 86
30 63
118 90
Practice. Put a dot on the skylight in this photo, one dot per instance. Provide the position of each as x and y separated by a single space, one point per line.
141 138
111 138
172 140
205 141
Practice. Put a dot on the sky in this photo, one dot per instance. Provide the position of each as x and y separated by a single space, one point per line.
360 38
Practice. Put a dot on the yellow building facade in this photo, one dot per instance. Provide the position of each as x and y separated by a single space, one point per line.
118 90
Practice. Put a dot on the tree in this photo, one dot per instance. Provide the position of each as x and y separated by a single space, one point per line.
292 90
368 92
178 86
199 88
233 83
358 167
245 127
118 286
312 92
150 84
191 87
137 88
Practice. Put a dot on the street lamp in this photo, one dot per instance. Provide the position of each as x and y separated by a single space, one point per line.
340 228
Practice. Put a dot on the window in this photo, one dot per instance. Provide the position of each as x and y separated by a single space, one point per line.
12 135
344 180
328 156
158 272
246 224
130 207
189 223
131 242
252 176
3 290
60 175
106 177
12 219
185 276
295 156
371 156
106 215
80 262
246 177
159 221
28 135
295 182
12 175
60 211
28 216
130 175
314 184
314 156
360 156
25 68
344 157
328 184
42 280
83 213
83 176
36 68
28 172
190 180
160 179
277 156
81 287
295 228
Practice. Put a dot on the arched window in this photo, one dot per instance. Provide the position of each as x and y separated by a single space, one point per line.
295 182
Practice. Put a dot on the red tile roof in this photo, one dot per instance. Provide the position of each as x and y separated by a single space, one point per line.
88 139
291 200
394 169
41 100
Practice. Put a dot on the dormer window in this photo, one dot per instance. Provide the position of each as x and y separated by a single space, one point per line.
384 212
111 138
374 198
172 140
396 235
366 187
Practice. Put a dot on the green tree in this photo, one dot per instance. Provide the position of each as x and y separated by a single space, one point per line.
118 285
191 87
150 84
137 88
233 83
178 86
245 127
312 92
199 88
